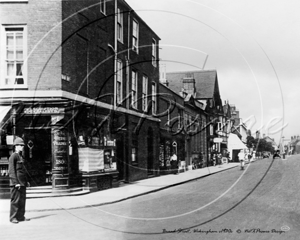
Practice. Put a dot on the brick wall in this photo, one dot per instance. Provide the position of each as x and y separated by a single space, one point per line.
43 20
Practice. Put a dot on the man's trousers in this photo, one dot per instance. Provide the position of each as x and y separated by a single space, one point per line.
17 203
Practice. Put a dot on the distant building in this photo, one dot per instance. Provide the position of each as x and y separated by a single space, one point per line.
204 88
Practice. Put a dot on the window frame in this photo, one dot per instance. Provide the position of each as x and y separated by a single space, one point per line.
102 5
134 89
119 81
4 60
120 29
154 52
135 37
145 93
154 97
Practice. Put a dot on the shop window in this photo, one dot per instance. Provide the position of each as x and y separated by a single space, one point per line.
13 69
96 146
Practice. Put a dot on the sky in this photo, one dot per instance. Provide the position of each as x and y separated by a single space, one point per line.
254 46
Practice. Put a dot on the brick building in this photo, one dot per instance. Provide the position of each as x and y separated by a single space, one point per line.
203 86
78 83
172 132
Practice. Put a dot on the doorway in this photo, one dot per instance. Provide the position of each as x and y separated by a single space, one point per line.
120 157
38 156
150 151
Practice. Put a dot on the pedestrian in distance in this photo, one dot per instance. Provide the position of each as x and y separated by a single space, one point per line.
174 163
214 159
241 157
168 165
249 156
276 154
18 183
219 158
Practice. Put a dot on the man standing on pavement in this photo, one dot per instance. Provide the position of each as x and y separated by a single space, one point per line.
18 183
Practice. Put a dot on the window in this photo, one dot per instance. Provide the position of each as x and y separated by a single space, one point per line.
211 129
13 68
103 6
134 89
133 154
135 35
145 92
179 120
154 99
119 81
120 25
154 53
66 77
134 148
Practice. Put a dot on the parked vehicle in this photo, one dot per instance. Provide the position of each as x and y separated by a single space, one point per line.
266 154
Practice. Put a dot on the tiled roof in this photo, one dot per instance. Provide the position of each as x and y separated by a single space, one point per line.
205 82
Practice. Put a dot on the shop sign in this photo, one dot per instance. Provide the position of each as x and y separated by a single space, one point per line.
43 110
218 140
60 154
110 143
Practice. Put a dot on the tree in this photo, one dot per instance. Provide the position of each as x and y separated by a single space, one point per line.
250 142
262 145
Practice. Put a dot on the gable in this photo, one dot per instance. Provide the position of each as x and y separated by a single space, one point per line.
205 82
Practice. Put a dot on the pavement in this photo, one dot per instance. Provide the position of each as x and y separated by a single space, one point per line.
124 192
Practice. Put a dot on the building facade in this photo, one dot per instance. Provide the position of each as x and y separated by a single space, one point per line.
172 132
79 82
203 85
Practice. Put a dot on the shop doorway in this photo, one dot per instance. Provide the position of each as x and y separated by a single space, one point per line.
38 156
120 154
150 151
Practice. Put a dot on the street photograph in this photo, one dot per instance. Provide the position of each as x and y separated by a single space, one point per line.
139 119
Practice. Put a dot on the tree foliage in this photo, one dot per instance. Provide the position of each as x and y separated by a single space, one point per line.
250 142
261 145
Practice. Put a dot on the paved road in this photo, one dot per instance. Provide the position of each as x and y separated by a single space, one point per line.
258 203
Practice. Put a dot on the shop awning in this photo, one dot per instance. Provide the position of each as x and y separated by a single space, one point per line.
235 143
3 112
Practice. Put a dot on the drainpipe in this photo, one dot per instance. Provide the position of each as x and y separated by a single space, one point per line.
115 59
127 64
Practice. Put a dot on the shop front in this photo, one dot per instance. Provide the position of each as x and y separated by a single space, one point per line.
64 147
6 149
96 148
170 145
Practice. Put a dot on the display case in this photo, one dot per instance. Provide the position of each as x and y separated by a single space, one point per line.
97 163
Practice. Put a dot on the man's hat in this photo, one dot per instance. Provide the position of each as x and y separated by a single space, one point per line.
19 141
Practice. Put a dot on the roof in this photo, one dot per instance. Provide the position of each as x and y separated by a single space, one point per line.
235 143
205 82
140 19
